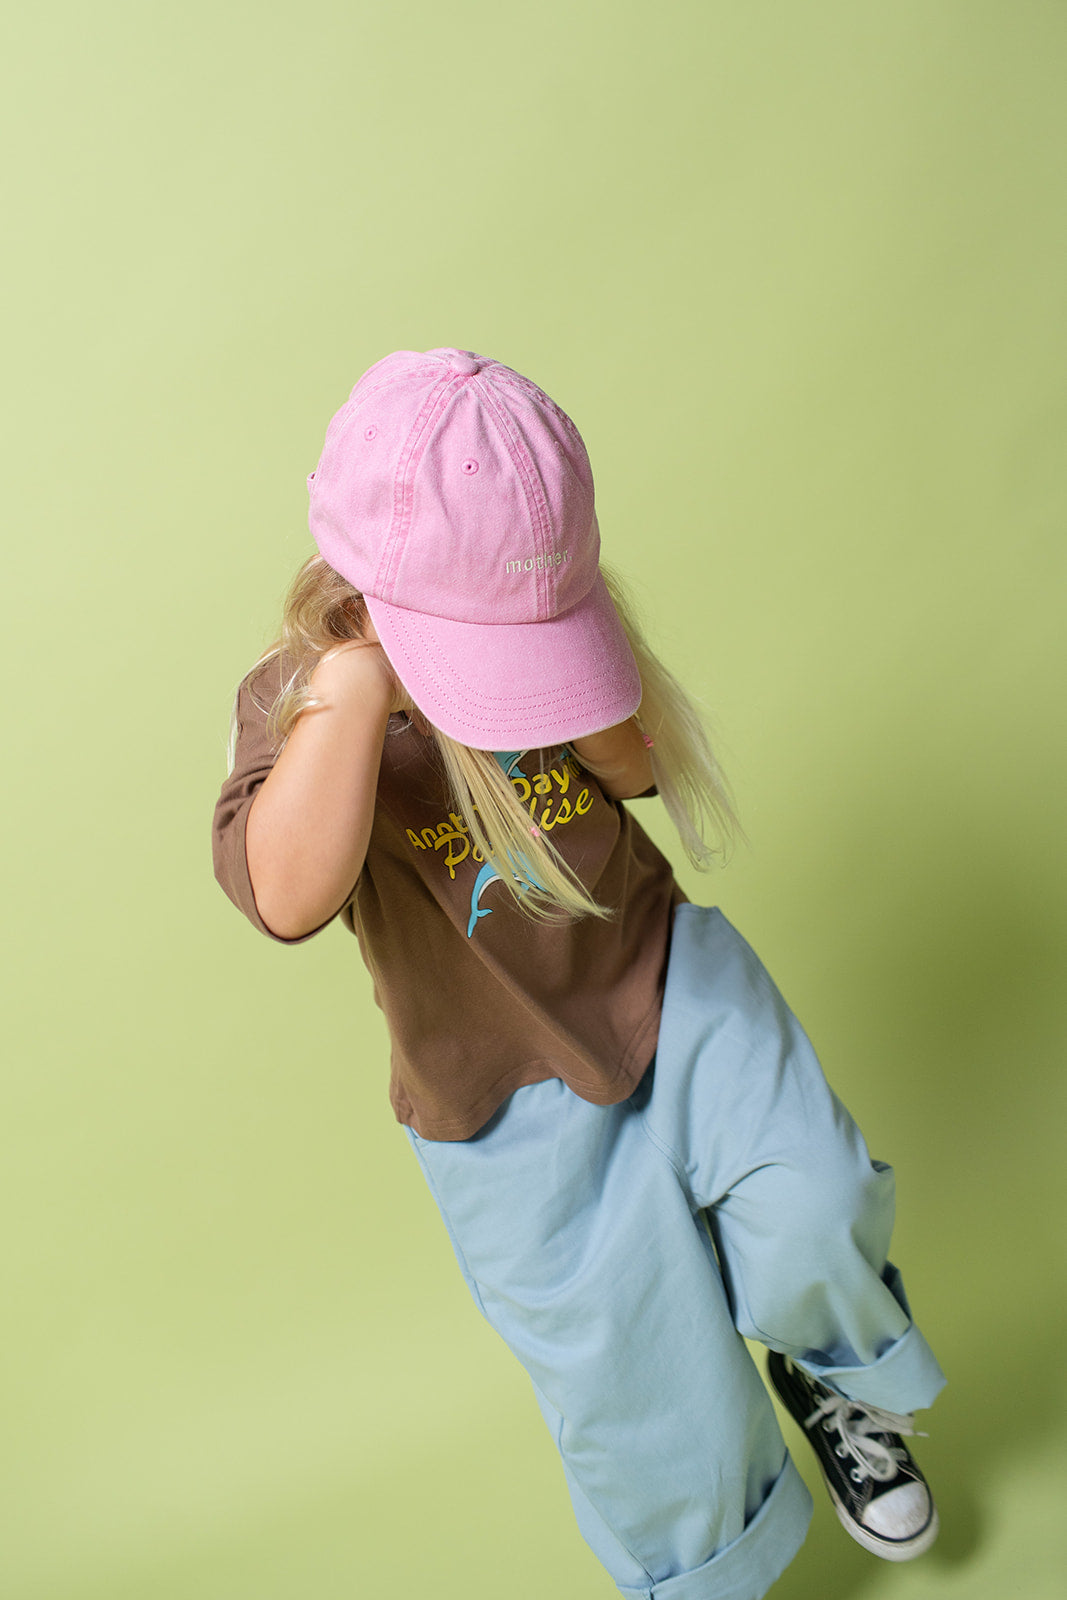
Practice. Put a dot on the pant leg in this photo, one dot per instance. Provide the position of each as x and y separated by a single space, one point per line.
800 1214
587 1255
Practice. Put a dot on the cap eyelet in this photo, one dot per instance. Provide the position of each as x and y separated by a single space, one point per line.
470 465
371 432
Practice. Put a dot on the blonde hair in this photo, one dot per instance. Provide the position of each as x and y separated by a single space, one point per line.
322 610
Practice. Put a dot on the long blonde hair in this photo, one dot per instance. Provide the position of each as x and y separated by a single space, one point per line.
322 609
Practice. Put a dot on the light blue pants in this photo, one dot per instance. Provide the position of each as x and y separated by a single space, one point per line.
622 1251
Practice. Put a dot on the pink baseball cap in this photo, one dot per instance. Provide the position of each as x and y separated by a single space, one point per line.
458 499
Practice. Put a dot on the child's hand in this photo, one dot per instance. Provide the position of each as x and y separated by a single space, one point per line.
619 758
360 665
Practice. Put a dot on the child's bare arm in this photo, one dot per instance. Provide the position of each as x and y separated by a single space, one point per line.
618 758
310 822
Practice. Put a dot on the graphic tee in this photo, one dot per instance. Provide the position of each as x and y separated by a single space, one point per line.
479 997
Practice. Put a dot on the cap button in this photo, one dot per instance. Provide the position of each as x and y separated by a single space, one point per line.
465 366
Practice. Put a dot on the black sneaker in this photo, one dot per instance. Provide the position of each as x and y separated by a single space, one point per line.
878 1492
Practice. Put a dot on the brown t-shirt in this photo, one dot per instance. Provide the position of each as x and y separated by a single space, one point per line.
480 998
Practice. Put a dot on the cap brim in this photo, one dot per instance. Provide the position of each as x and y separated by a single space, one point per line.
515 686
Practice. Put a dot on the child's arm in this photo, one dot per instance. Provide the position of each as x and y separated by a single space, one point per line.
309 825
618 758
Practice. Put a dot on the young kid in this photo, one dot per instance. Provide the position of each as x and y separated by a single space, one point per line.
630 1140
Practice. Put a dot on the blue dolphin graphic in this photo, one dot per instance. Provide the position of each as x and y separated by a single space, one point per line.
487 875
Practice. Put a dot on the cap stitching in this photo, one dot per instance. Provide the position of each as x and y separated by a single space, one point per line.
575 699
411 455
533 488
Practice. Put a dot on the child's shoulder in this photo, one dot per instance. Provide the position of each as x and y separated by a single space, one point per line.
265 680
252 704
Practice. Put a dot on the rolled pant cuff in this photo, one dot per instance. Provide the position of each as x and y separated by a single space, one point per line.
746 1569
905 1378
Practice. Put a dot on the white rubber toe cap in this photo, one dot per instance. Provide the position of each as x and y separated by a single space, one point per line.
900 1514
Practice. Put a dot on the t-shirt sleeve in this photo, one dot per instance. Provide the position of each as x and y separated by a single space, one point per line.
254 756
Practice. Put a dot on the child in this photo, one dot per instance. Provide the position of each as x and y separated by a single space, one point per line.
630 1140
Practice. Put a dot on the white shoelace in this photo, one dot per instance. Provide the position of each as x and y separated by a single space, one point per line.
873 1458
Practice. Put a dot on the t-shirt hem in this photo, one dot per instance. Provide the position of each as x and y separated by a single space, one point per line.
603 1092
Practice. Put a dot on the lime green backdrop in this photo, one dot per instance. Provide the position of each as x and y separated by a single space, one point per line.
797 272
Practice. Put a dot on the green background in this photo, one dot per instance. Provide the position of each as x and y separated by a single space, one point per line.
797 272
